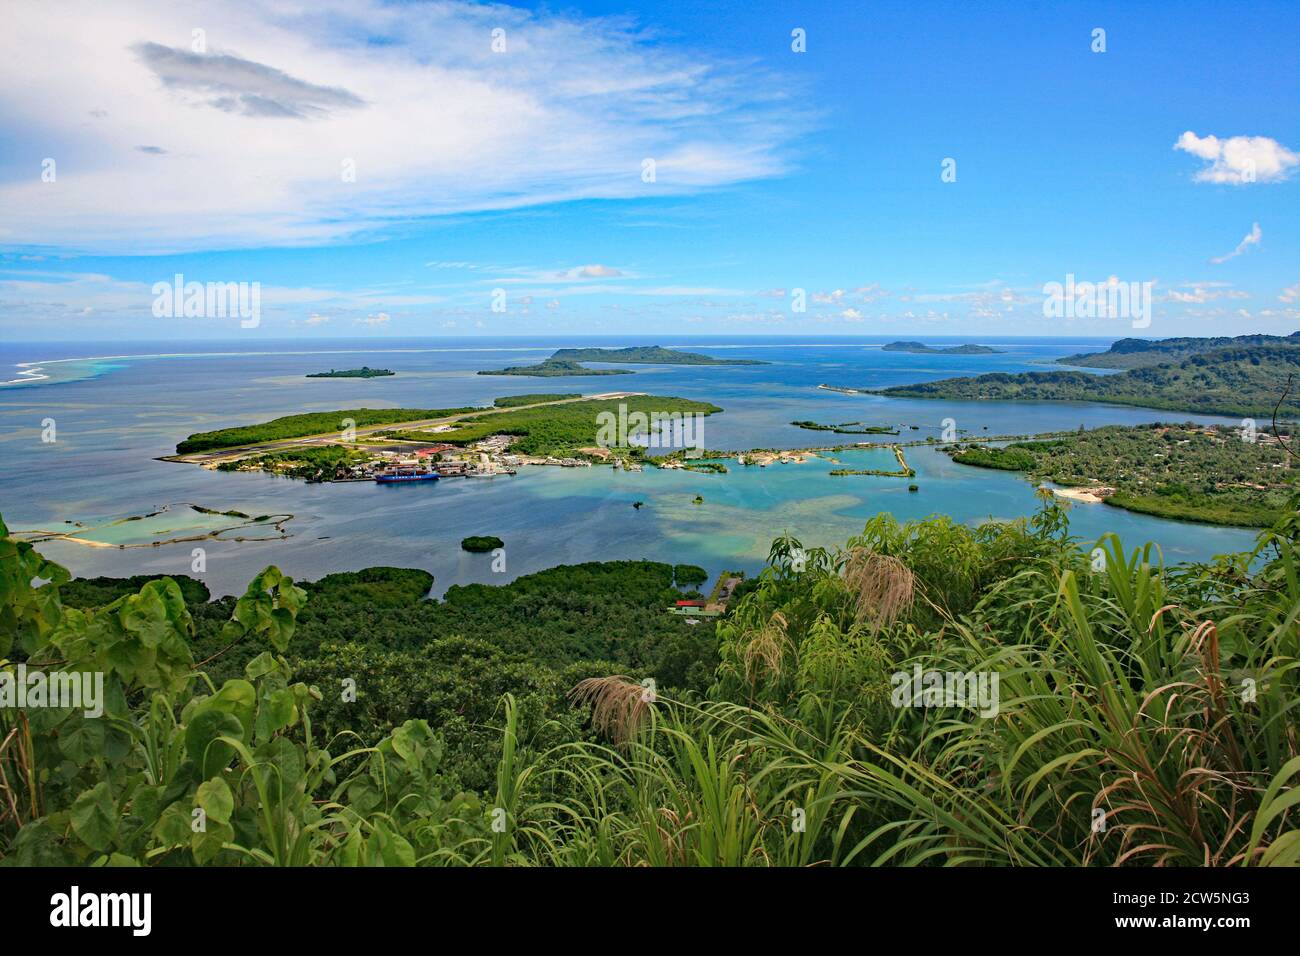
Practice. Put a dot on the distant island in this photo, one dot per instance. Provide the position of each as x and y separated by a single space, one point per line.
1144 353
1237 379
566 362
922 348
646 355
364 372
847 428
553 369
481 543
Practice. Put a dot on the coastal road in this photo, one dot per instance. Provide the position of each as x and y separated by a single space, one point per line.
332 438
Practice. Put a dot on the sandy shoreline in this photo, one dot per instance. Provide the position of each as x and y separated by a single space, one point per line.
1093 496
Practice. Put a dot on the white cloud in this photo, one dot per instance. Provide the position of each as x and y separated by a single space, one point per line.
828 298
1202 292
1290 294
255 135
375 321
589 272
1239 159
315 319
1252 239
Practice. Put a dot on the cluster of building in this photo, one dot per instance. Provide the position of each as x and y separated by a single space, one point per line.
480 460
694 609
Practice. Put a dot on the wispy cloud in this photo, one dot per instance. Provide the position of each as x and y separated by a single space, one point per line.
1252 239
589 272
308 124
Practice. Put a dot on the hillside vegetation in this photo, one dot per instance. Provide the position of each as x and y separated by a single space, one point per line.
1190 472
1160 701
1234 380
1142 353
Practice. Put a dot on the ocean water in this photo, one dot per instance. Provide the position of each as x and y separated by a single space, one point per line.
117 407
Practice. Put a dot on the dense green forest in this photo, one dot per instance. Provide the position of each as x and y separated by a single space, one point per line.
1235 380
556 429
1191 472
566 719
1142 353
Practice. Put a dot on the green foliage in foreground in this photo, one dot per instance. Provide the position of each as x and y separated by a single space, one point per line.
310 423
1165 699
481 543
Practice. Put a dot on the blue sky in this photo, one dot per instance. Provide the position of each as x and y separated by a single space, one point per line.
221 156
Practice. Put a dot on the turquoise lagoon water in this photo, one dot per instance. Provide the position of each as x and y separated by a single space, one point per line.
116 408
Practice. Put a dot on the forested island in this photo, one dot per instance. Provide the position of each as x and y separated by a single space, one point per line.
327 423
847 428
562 429
481 543
1238 380
363 372
1188 472
1143 353
567 362
309 423
354 721
555 368
923 349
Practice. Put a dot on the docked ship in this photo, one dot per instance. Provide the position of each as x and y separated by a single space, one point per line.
405 474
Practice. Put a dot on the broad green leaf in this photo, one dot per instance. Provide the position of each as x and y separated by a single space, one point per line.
94 817
208 753
217 801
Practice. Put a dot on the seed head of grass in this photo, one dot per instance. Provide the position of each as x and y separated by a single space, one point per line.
619 706
883 587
